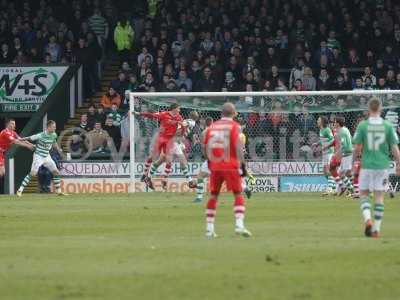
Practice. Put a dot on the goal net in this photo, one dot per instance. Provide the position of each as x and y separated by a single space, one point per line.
280 127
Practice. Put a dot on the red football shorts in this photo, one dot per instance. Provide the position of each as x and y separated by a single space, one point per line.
335 162
163 144
1 159
231 177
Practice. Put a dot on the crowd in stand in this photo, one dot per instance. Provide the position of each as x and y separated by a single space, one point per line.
265 46
237 45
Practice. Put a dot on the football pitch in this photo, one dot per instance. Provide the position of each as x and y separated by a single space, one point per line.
152 246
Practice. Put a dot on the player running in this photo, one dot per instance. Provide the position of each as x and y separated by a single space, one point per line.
169 121
224 151
326 143
344 152
9 137
41 157
374 139
178 147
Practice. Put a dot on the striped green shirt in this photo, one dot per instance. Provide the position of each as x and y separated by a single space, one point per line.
326 138
116 117
98 24
44 142
346 145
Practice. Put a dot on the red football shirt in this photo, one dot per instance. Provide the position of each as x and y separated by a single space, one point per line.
221 143
168 122
7 138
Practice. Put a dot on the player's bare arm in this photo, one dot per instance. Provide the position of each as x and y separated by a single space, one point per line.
58 149
24 144
338 153
203 145
327 146
356 154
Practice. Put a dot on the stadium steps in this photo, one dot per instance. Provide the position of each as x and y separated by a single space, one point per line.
110 72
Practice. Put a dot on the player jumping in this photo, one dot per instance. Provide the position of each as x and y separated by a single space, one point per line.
41 157
374 139
9 137
345 154
178 147
224 151
169 121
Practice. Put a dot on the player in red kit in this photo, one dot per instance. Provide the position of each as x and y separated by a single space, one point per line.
9 137
334 164
169 121
224 151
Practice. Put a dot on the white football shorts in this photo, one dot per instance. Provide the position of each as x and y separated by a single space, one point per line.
39 161
374 180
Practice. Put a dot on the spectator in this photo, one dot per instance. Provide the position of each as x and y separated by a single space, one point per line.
91 116
358 84
207 83
113 131
353 60
68 53
54 49
114 115
230 84
149 83
184 80
340 84
125 132
324 83
5 56
141 57
120 85
110 98
281 85
306 122
298 85
296 73
84 123
123 38
332 42
89 63
274 76
309 82
380 69
98 24
98 139
391 79
101 115
368 75
382 84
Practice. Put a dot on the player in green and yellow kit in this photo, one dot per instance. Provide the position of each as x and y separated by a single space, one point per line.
344 152
326 143
41 157
374 139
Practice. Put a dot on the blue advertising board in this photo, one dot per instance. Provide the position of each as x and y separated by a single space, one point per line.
303 184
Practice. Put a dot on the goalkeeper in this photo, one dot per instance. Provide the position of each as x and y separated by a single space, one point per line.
198 184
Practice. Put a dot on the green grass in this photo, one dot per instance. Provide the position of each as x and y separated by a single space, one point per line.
152 246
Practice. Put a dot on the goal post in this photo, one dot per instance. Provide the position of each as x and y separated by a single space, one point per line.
280 126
